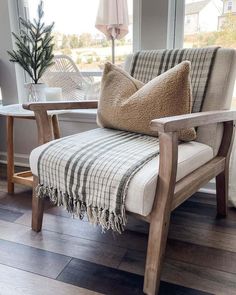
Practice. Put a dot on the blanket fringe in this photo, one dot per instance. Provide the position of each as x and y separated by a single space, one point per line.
96 216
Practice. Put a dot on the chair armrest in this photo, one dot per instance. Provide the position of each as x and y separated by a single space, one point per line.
175 123
47 106
46 131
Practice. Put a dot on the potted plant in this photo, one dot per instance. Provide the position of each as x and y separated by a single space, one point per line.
34 52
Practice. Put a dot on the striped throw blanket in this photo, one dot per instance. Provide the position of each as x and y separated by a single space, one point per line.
146 65
90 173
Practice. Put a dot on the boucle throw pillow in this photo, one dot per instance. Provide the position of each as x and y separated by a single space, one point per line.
130 105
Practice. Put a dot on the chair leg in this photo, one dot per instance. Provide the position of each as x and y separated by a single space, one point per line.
37 209
222 183
155 253
222 180
160 216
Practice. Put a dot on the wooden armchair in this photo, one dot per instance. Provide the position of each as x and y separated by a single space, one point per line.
183 169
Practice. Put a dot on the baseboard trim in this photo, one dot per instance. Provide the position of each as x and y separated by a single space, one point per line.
206 190
209 188
21 160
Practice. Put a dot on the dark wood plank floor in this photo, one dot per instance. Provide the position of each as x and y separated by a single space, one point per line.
72 257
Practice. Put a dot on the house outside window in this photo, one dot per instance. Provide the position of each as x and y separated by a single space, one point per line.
203 14
230 5
216 26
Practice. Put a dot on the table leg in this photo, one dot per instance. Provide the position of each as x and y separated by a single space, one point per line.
10 154
55 126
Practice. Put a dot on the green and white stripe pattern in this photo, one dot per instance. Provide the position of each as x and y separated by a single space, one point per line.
90 173
149 64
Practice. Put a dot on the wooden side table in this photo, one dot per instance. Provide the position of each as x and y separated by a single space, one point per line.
12 112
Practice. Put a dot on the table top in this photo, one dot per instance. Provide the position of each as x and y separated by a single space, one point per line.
16 110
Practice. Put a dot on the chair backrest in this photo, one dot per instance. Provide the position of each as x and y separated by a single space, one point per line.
218 94
65 74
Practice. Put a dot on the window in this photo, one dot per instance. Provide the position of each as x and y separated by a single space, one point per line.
230 5
75 34
187 19
0 96
214 26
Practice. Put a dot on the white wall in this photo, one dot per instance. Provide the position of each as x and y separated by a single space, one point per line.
11 75
154 24
8 81
158 24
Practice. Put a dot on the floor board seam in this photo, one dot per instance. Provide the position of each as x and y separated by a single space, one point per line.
65 268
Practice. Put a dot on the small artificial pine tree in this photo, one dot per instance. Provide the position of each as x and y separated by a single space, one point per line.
34 46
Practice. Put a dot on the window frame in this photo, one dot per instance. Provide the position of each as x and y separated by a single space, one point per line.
179 17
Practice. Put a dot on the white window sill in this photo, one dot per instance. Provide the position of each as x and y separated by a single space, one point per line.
83 116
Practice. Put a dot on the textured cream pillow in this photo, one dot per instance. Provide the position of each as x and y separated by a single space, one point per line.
128 104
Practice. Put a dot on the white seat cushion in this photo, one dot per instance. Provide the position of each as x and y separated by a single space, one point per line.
142 187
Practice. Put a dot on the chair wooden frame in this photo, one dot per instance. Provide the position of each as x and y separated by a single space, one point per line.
169 193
